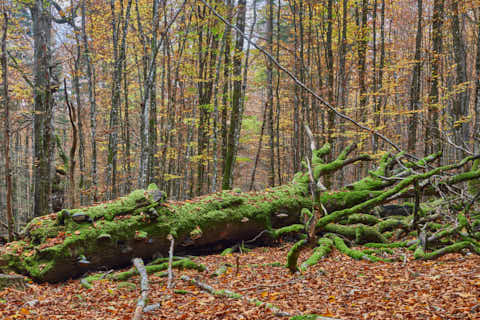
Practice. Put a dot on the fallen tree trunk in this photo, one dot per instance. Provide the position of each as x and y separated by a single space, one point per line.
72 242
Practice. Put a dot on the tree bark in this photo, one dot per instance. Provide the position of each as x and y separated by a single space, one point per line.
119 52
236 99
271 170
6 137
43 106
92 102
461 99
476 131
415 87
432 132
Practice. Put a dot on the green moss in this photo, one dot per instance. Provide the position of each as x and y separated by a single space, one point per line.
152 187
288 229
401 244
378 251
401 187
362 218
293 254
347 231
182 291
474 184
324 248
355 254
390 224
433 226
365 234
456 247
388 235
228 294
227 251
141 235
361 233
181 264
87 281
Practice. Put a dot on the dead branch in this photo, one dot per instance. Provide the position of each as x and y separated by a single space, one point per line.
138 263
170 260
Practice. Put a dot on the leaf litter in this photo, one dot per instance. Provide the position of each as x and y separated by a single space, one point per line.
340 287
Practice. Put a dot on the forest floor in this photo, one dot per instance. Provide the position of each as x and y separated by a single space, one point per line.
339 287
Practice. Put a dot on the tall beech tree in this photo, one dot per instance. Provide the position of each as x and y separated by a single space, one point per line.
232 139
6 122
119 26
461 98
416 85
44 88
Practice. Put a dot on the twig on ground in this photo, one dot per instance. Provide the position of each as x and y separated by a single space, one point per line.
170 259
138 263
233 295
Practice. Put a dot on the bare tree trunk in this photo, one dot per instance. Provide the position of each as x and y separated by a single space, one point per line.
415 86
432 133
362 70
342 87
461 99
78 116
43 106
330 114
476 131
93 105
376 116
148 105
126 133
259 149
6 142
226 82
381 66
277 95
73 149
213 184
118 58
236 98
271 170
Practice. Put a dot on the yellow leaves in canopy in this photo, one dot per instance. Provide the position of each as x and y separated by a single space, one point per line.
168 177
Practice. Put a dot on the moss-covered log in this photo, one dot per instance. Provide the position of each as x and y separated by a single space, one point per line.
73 242
56 247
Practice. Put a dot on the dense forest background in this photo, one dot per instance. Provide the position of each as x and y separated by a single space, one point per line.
101 97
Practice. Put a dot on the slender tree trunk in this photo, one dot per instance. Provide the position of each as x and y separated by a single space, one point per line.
380 99
432 133
277 95
226 82
236 98
415 86
342 88
43 106
259 149
362 70
6 142
376 116
271 170
461 99
152 163
126 134
119 49
476 131
93 105
78 116
330 114
71 168
213 184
